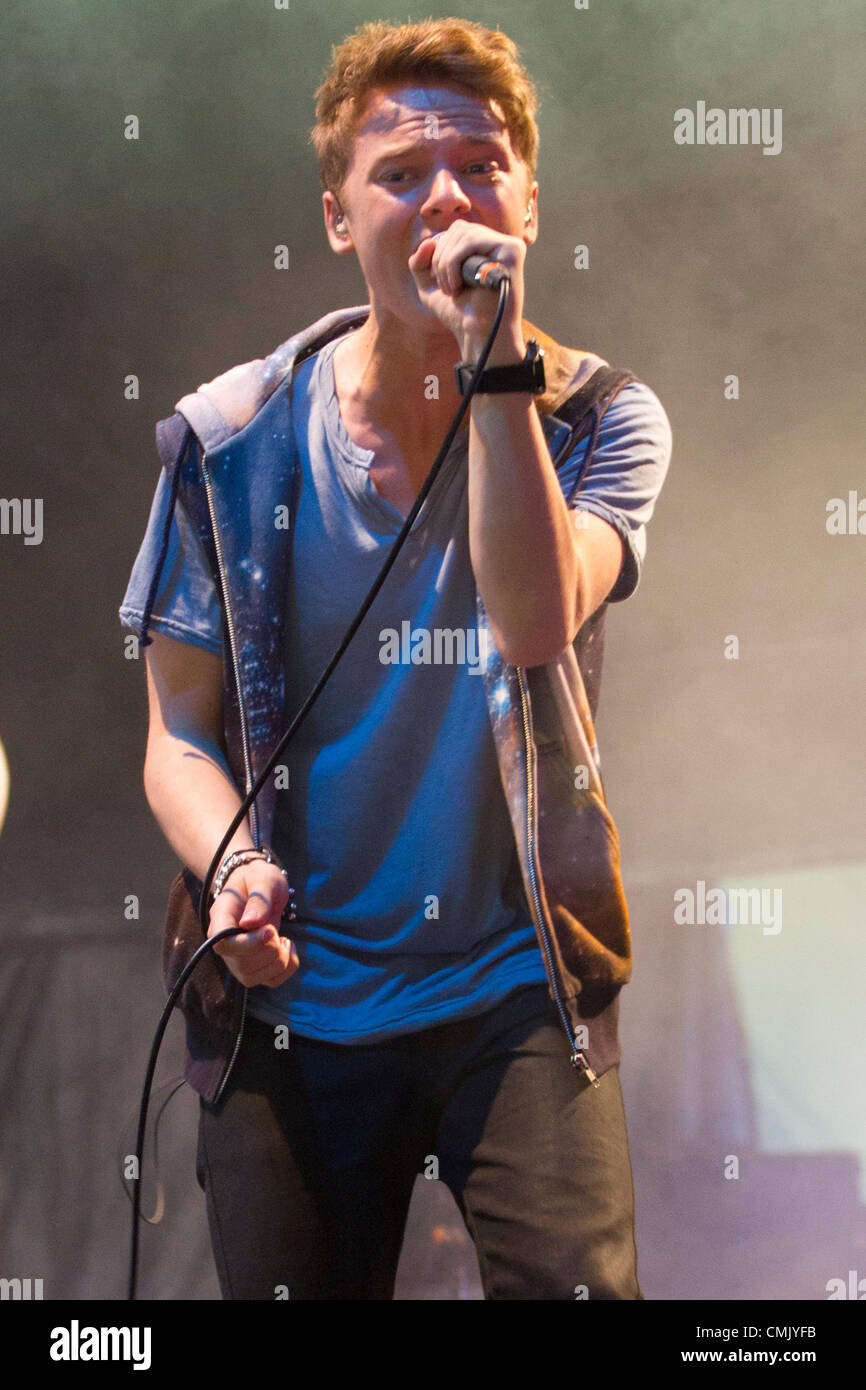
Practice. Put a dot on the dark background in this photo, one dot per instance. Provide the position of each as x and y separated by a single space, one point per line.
155 258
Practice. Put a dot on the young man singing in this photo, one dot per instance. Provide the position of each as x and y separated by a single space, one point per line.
449 980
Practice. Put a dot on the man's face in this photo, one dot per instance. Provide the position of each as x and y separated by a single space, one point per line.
422 158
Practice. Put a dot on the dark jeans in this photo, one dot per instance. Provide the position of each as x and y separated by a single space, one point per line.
309 1160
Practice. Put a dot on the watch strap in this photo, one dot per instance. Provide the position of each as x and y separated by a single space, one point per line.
527 375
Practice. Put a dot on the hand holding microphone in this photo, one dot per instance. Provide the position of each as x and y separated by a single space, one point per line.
466 256
475 270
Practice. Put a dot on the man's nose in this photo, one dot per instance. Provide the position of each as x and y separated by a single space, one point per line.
446 194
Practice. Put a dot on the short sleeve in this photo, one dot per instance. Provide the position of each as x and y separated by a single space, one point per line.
187 606
625 475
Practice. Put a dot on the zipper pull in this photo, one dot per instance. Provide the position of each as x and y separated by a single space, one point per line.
578 1059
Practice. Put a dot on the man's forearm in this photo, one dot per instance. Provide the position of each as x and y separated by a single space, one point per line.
192 795
521 536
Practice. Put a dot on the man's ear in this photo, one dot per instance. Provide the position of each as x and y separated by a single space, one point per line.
530 231
336 224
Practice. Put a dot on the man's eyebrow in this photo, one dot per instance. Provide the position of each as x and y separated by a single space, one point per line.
406 151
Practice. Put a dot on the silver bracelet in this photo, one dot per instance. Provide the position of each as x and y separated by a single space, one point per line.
246 856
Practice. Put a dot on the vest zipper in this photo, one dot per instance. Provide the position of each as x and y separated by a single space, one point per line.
578 1056
233 647
245 741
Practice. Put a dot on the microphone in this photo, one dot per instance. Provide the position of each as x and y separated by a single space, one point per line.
478 270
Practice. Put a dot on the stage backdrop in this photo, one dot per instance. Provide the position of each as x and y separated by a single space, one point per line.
154 156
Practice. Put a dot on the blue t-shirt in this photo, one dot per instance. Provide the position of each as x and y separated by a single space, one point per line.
394 828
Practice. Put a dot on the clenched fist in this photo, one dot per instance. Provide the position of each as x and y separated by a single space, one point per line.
254 897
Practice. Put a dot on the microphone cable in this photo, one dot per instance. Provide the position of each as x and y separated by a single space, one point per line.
476 272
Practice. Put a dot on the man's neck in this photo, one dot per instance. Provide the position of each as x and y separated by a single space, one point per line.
397 381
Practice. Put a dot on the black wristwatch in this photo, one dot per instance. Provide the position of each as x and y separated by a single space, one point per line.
527 375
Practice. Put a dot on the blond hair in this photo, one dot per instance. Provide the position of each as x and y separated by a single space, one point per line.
447 52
